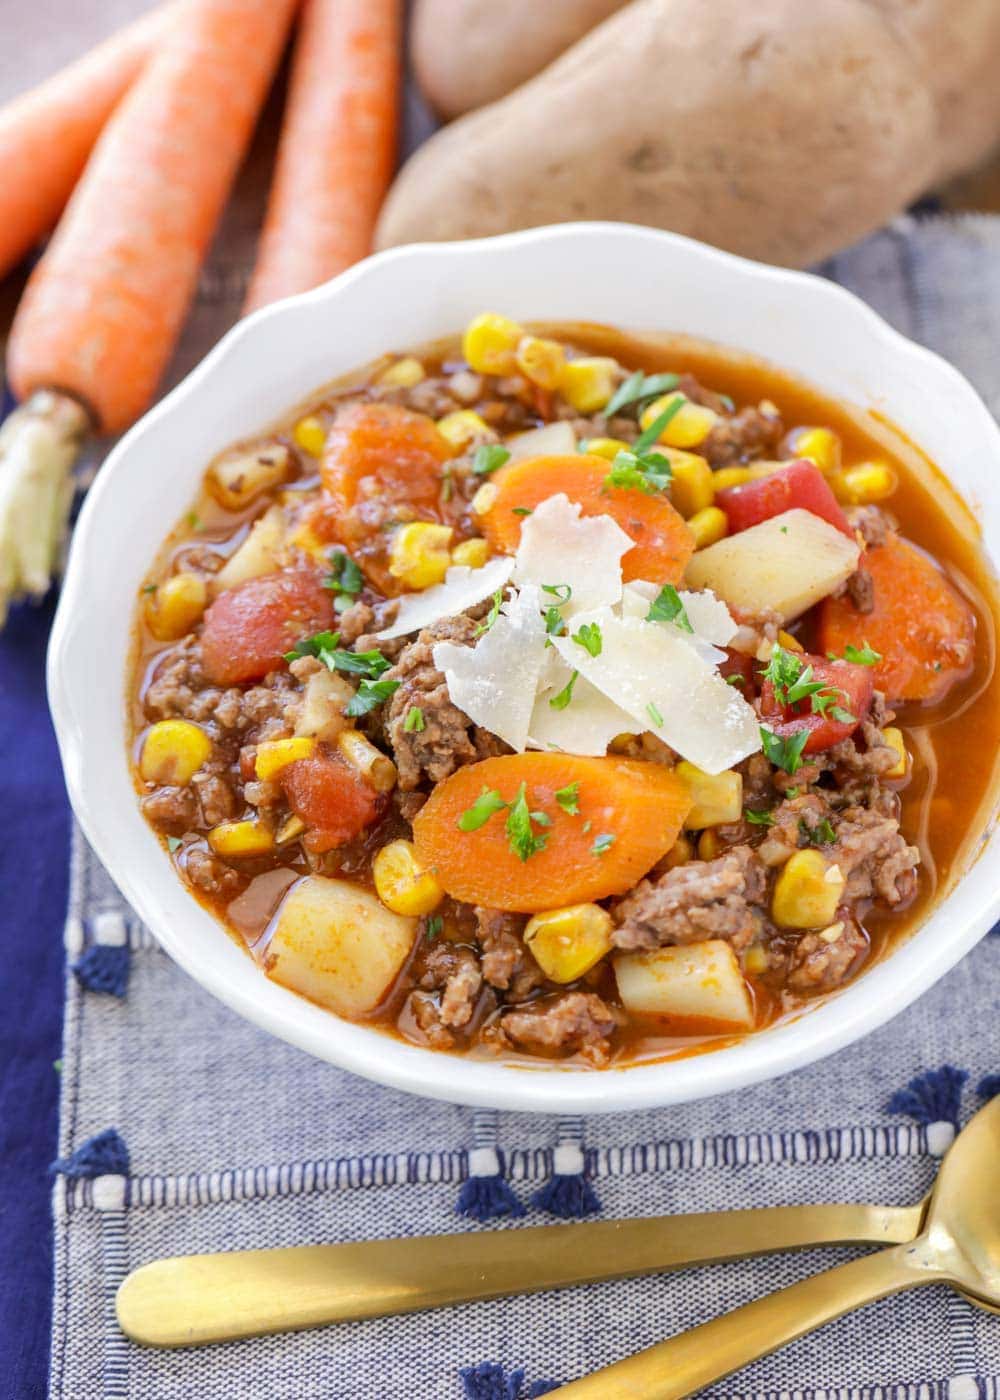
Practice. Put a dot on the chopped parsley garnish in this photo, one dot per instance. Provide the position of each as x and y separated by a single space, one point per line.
322 645
173 844
149 588
360 663
758 818
447 485
193 520
638 389
414 721
821 835
589 637
843 716
554 624
783 670
736 679
492 615
640 471
794 682
862 656
603 843
368 696
560 701
568 798
520 510
651 434
490 456
667 607
784 753
486 805
434 926
344 579
654 714
562 591
523 841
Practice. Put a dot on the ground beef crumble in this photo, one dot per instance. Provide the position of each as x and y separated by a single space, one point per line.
693 902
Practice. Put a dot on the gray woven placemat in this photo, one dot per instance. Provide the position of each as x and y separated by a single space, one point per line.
185 1129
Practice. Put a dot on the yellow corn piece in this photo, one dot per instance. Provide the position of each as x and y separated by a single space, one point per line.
893 738
464 426
691 488
403 374
790 643
708 526
473 554
820 445
369 763
709 845
485 498
400 883
807 891
490 344
755 960
680 853
419 556
173 751
864 484
176 606
310 435
690 425
606 447
275 754
540 360
716 798
242 838
567 942
589 382
305 538
730 476
235 480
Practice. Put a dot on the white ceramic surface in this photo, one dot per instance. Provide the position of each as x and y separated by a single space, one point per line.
616 274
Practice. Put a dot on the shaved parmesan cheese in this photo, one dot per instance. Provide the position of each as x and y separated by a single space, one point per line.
462 589
560 546
587 724
712 623
554 440
659 678
494 682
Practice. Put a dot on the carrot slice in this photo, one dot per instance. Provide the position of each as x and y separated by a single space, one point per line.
337 149
921 625
629 815
102 311
47 134
663 543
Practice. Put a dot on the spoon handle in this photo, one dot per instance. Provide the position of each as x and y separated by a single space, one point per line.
201 1298
694 1359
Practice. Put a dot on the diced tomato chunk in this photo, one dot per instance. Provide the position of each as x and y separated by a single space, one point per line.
799 486
741 669
335 803
851 690
249 628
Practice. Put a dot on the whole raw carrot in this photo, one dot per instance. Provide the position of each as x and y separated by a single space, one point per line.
102 311
338 146
47 134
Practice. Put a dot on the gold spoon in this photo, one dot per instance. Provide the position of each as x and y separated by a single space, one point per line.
959 1244
201 1298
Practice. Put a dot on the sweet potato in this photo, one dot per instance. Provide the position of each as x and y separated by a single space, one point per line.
782 131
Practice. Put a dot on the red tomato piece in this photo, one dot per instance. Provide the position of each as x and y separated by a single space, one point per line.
333 801
851 687
249 628
738 664
799 486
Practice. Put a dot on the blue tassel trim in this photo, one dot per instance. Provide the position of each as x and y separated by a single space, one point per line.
104 967
105 1154
568 1197
489 1381
933 1097
485 1198
989 1086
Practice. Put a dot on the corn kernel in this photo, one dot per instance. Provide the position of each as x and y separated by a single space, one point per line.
173 751
790 643
471 554
485 498
708 527
755 960
420 556
310 435
893 739
540 360
400 883
807 891
589 382
242 838
463 427
568 942
680 853
864 484
709 845
490 343
691 487
403 374
606 447
235 480
275 754
304 537
730 476
716 798
689 426
820 445
369 763
176 606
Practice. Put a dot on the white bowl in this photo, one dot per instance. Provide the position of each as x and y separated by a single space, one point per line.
612 273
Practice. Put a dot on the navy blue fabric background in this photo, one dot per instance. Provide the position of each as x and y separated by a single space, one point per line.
34 851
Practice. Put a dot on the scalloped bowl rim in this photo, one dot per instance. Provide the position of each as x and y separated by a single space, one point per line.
544 268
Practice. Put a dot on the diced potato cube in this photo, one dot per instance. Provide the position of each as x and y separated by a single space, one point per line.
701 981
173 751
568 942
258 554
785 564
235 480
807 892
337 944
176 606
401 884
321 711
554 440
275 754
716 798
